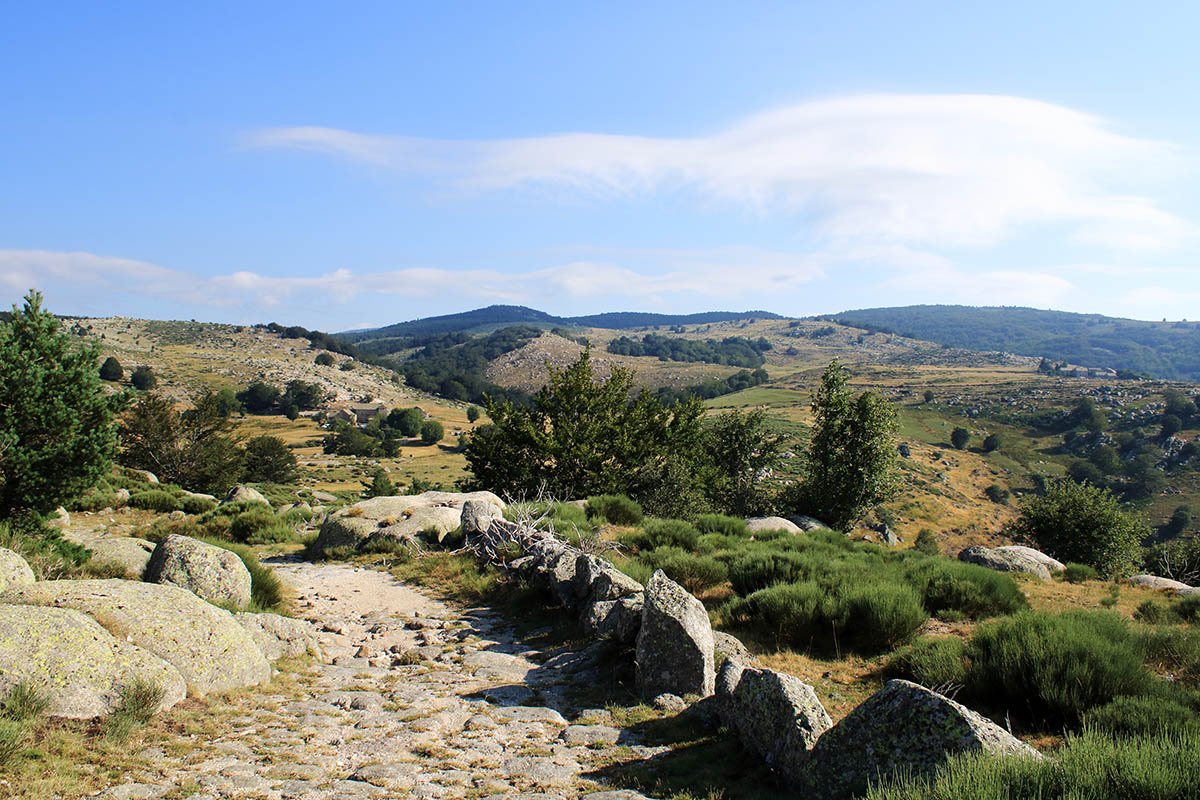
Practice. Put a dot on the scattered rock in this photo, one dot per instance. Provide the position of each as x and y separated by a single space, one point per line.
1004 561
726 684
79 664
399 519
757 524
675 643
1052 564
1163 584
477 515
132 554
779 717
902 727
14 570
671 703
729 646
324 497
209 648
244 494
210 572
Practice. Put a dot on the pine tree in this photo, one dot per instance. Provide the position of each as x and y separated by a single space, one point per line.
56 431
111 370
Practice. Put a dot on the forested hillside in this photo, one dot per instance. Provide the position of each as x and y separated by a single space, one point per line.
1160 349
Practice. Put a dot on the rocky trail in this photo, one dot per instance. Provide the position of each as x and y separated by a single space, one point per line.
413 698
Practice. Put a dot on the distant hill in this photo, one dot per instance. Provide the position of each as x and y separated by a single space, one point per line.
1161 349
482 320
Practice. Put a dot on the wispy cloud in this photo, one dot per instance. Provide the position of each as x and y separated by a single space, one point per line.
920 169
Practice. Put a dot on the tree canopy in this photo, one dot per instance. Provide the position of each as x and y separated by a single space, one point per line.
56 431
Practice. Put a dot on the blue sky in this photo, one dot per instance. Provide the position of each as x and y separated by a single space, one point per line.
346 165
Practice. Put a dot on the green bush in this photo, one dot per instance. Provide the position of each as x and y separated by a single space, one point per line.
259 525
1188 609
155 500
615 508
719 523
1141 716
669 532
1152 613
1054 668
12 740
879 617
197 505
1174 650
24 703
1078 573
1093 766
997 494
692 572
138 702
790 614
974 591
932 661
926 543
761 568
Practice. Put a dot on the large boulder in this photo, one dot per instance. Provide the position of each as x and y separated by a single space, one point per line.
205 643
1052 564
779 717
14 570
278 636
675 643
726 645
808 523
1007 561
477 515
400 518
210 572
132 554
79 665
758 524
902 728
727 680
619 619
1163 584
245 494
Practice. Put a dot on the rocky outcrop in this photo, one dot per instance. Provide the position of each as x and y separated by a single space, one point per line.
675 643
726 645
477 515
14 570
777 716
1052 564
211 573
245 494
400 519
901 728
132 554
278 636
1008 561
618 619
758 524
205 643
59 519
808 523
79 665
726 684
1164 585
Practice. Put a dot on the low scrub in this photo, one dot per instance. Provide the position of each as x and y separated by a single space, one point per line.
1092 766
615 508
197 505
719 523
936 662
155 500
137 705
693 572
1141 716
260 525
658 533
1079 573
967 589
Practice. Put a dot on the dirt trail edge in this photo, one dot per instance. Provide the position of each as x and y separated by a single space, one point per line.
415 699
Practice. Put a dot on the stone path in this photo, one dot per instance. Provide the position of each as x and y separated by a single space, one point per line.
415 700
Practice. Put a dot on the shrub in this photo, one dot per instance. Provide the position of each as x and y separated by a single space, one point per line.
432 432
93 500
269 459
139 701
1188 609
155 500
1054 668
1089 767
764 567
111 370
1152 613
790 614
932 661
669 532
1174 650
1078 573
968 589
692 572
997 494
719 523
878 617
260 525
959 437
324 360
1141 716
197 505
143 378
927 543
615 508
992 442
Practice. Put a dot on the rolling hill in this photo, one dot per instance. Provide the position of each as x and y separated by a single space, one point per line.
1161 349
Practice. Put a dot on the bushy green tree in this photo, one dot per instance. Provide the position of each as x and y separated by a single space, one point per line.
742 450
324 360
56 431
1084 524
851 461
432 431
381 486
143 379
303 395
194 448
269 459
259 397
472 414
992 442
406 420
111 370
960 437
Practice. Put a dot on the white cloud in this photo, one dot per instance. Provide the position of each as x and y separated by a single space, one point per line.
921 169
